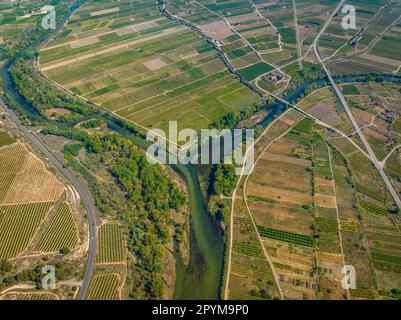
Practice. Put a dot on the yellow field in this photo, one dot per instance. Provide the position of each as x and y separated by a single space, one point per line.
104 287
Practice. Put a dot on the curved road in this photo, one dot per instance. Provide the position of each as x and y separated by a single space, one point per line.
88 205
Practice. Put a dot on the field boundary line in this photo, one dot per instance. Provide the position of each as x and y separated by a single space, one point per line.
233 198
249 211
337 214
46 48
79 58
35 233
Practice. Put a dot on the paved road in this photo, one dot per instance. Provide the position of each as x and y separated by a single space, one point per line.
339 94
88 205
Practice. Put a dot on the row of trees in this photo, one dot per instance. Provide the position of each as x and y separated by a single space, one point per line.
42 95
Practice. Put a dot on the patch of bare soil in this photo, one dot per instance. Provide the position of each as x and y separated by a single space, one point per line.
217 30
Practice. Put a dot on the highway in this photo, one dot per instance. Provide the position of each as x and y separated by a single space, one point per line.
341 97
86 201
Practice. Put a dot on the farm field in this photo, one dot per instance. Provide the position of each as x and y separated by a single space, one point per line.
28 194
138 64
248 31
288 210
38 214
22 172
5 139
25 219
104 287
251 275
315 203
323 105
372 47
256 37
380 226
61 233
111 246
29 296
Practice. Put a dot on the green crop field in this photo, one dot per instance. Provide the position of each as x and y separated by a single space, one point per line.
143 67
252 72
18 225
111 246
104 287
285 236
61 233
5 139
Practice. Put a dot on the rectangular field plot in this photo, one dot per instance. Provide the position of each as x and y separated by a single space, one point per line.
143 67
10 165
29 296
252 72
61 233
5 139
18 225
104 287
111 245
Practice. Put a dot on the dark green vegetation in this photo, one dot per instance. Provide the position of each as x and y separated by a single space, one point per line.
147 198
350 90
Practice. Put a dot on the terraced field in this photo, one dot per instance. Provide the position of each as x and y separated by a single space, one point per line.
111 245
61 233
104 287
138 64
18 225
